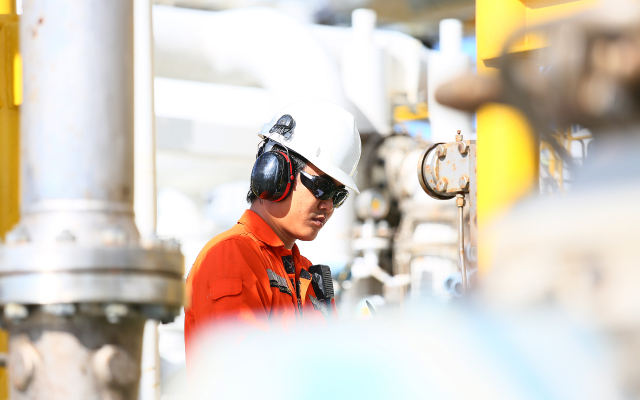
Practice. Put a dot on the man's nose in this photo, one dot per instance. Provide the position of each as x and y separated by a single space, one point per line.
326 205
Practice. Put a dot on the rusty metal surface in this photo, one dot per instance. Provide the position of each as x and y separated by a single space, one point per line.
444 169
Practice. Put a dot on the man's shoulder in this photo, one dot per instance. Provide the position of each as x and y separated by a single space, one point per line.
237 236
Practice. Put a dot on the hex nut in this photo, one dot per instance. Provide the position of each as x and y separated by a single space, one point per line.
464 182
15 311
18 235
115 311
66 236
441 151
458 137
113 366
442 185
460 201
462 148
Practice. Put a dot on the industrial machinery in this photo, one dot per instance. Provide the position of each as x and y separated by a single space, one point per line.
448 170
574 253
418 240
76 280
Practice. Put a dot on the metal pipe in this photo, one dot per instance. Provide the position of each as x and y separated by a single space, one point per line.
145 204
75 282
463 267
144 122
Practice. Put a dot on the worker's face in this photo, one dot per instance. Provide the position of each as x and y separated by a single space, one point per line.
301 216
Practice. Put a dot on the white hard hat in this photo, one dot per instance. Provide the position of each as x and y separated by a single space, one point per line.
323 133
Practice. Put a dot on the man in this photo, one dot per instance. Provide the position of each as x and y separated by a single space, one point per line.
253 274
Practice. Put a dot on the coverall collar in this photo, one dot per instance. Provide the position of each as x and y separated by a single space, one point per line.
256 225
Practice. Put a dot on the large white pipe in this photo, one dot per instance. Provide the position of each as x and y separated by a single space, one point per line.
362 66
77 116
363 71
274 50
445 65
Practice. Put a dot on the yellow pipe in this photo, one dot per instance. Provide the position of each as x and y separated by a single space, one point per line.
10 99
508 151
7 7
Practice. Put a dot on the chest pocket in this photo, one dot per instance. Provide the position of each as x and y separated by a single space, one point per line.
225 287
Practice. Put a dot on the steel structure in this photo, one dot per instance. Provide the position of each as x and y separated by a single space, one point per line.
76 282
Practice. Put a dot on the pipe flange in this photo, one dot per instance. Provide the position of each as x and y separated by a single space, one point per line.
428 180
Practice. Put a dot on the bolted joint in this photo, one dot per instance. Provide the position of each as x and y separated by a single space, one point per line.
442 185
115 311
462 148
15 311
458 137
464 182
460 200
59 309
441 151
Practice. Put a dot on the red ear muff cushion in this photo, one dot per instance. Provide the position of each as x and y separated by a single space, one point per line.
289 177
271 176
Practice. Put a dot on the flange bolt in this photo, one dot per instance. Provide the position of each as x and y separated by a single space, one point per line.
464 182
442 185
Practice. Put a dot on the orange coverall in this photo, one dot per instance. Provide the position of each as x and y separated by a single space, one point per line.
246 277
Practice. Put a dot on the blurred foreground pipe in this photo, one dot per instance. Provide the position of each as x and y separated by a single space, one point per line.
508 152
75 282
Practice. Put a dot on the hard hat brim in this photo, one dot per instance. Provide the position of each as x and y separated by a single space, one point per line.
331 170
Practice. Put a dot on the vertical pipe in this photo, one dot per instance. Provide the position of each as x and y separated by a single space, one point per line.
144 125
444 66
145 207
78 59
9 141
10 85
7 6
508 152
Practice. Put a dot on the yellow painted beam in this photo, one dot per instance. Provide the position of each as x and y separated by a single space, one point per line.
405 113
508 151
10 100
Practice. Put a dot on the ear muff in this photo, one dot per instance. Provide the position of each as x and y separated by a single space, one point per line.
272 176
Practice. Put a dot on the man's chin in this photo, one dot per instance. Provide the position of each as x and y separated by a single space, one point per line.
309 237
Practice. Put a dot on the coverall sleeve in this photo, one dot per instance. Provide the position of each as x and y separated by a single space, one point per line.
227 286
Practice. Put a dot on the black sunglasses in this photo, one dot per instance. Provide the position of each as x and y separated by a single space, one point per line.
324 189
